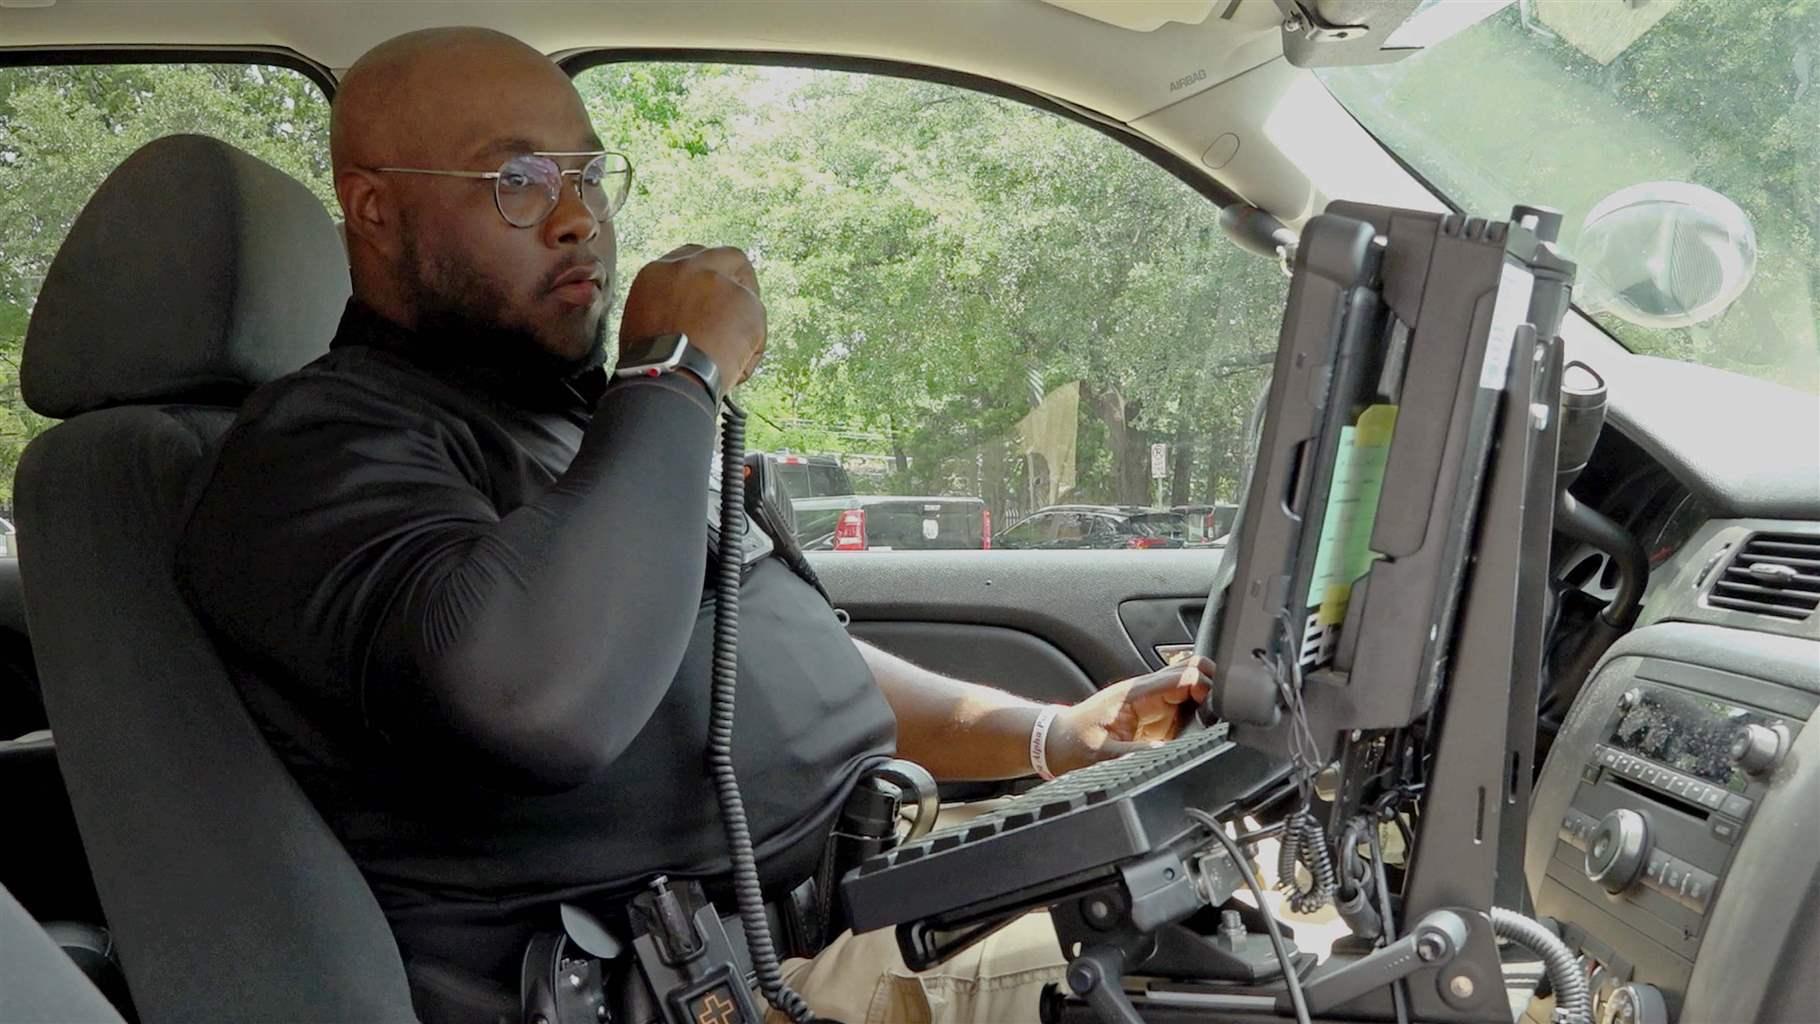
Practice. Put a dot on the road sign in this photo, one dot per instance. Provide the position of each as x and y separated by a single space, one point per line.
1159 461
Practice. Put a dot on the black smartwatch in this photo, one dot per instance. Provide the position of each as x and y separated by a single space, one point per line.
667 353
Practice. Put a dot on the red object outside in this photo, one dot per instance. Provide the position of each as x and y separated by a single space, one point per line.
850 530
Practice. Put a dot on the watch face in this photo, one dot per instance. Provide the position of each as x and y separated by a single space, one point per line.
665 348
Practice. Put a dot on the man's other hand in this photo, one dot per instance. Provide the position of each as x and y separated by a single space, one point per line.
1127 716
709 294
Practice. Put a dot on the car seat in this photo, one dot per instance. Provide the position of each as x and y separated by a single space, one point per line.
37 980
194 274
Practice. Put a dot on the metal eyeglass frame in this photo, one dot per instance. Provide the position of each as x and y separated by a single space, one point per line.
577 172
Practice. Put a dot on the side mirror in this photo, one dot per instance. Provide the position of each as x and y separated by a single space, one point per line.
1665 254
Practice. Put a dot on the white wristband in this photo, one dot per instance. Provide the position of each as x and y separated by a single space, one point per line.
1039 741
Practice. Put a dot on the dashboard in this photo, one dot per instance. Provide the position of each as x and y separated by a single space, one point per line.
1742 447
1671 830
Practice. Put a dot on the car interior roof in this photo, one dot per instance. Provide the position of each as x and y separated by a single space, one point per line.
1216 70
1061 53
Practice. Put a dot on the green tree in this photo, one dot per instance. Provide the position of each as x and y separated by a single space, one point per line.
62 129
935 260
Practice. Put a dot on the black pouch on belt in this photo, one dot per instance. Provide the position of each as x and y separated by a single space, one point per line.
668 957
564 983
867 826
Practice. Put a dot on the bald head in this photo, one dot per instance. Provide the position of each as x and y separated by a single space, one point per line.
432 252
417 94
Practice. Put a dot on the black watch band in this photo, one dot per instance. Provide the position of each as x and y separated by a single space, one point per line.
668 353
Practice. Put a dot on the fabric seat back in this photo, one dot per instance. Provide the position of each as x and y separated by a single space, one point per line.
194 274
37 980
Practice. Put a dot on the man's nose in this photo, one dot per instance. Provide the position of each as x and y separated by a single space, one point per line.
571 223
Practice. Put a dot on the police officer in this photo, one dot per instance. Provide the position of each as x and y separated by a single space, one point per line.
460 574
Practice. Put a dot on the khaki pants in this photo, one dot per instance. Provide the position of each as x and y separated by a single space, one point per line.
861 979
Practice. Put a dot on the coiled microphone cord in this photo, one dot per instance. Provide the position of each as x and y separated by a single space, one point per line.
746 889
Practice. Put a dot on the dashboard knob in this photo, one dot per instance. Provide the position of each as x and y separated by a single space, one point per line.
1756 748
1617 850
1635 1003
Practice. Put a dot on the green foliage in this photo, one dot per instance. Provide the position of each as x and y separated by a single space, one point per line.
62 129
936 261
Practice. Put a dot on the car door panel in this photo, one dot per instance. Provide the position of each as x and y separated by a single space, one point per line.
1074 601
1009 659
1161 622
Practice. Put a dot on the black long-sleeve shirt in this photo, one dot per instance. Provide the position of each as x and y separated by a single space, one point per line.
466 605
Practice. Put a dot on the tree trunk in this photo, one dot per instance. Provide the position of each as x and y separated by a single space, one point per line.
1134 469
1210 489
1130 447
1182 467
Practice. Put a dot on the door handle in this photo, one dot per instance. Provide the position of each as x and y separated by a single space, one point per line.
1174 654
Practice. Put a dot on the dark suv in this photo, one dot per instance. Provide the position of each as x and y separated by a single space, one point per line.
831 517
1098 526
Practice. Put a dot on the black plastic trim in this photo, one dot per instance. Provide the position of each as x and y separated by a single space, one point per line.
1009 659
1018 590
273 56
1183 169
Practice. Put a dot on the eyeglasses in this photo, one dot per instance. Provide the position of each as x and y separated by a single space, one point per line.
527 188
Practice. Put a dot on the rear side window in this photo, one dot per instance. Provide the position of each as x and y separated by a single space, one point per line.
829 481
1173 527
795 480
1072 527
1223 518
811 480
1030 532
64 128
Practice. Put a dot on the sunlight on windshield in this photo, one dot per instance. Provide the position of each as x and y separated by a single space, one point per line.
1564 103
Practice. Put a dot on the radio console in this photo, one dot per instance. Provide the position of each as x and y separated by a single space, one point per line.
1669 781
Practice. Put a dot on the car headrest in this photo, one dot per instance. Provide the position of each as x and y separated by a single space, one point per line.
195 274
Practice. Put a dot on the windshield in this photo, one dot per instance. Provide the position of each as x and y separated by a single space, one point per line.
1565 103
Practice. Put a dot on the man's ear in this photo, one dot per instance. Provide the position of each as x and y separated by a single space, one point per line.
368 204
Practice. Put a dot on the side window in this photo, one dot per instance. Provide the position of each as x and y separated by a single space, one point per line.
794 478
63 128
1222 520
1036 531
1072 529
829 480
1165 525
983 305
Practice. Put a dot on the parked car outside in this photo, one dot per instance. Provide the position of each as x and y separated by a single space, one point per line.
831 517
1103 527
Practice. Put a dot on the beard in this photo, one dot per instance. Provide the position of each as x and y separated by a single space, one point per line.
469 317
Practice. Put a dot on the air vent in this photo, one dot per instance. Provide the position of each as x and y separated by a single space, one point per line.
1776 574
